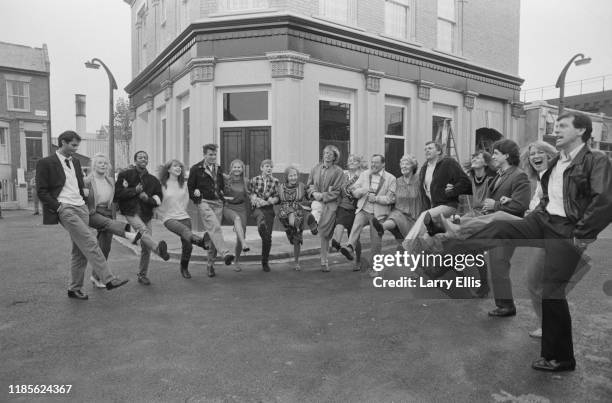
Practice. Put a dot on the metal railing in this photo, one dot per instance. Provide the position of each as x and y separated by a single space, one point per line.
579 87
7 193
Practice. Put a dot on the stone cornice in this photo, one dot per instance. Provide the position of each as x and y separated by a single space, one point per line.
304 28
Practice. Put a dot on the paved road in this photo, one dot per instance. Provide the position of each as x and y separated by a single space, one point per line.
279 336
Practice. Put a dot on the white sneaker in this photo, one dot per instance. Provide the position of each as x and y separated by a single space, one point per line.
536 334
97 283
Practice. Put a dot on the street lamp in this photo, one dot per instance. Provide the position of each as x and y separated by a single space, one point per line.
561 80
95 64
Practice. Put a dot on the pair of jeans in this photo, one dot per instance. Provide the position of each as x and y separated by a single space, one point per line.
146 243
211 214
182 228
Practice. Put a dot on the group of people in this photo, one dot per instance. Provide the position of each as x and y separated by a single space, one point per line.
570 204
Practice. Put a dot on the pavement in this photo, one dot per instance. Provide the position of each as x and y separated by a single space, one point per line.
283 336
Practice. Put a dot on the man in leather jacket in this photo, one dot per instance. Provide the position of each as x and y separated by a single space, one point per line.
575 208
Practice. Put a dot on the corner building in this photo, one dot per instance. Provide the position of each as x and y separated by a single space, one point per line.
281 79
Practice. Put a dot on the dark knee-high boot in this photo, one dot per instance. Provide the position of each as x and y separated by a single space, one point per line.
184 269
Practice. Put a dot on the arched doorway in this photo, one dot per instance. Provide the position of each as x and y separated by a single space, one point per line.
485 137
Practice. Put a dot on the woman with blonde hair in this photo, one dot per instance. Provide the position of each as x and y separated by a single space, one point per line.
236 197
347 205
408 204
173 211
99 190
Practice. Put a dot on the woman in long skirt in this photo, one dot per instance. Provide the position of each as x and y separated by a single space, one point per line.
236 206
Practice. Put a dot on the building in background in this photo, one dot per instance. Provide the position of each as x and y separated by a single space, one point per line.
25 123
284 78
97 142
540 119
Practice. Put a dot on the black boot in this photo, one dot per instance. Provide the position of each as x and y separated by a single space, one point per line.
184 270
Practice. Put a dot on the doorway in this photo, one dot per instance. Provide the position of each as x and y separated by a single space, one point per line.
250 144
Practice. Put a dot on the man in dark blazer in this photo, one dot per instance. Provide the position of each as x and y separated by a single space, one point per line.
510 192
59 182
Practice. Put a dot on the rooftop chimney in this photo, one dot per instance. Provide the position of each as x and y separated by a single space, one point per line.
81 127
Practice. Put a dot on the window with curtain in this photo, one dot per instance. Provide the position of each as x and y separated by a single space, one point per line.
398 15
18 94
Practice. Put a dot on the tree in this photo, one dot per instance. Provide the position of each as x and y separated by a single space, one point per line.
123 124
123 133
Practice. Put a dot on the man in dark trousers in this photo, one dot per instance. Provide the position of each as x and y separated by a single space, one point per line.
510 192
575 208
59 182
205 184
138 192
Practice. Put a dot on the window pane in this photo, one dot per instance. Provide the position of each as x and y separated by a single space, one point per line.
335 9
245 106
3 145
445 36
394 120
396 20
394 149
237 5
335 128
446 9
33 152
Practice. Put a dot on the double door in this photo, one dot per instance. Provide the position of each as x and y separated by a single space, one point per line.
249 144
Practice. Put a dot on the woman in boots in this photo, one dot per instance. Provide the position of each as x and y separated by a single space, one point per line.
173 211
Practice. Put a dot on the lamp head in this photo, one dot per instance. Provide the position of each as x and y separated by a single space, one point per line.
584 60
92 65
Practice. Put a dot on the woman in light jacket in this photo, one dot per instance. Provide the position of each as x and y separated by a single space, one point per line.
99 190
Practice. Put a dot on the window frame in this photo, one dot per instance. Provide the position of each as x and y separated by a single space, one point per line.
455 44
351 12
410 21
243 123
223 7
5 152
10 96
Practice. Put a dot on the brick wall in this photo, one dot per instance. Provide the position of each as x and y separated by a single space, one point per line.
490 27
491 32
39 100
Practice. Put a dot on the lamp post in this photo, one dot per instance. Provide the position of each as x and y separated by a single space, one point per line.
95 64
561 80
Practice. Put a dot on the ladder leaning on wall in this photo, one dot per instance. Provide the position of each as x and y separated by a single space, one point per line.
446 137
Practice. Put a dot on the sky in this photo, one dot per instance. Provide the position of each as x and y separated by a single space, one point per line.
552 31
